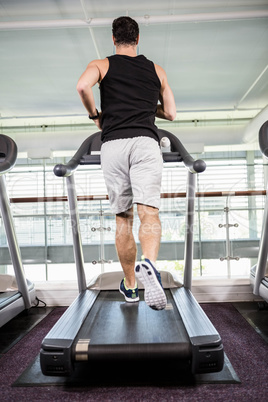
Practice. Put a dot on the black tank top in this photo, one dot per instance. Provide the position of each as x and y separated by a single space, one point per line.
129 96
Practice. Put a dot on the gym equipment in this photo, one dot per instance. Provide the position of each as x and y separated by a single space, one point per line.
99 326
12 302
259 272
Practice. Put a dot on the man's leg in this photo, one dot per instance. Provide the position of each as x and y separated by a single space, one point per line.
126 246
146 272
150 231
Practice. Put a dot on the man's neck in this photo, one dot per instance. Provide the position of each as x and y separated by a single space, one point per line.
127 50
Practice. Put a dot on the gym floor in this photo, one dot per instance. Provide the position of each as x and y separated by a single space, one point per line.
255 313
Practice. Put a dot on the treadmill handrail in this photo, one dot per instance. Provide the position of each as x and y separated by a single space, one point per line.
69 168
9 149
8 152
263 139
82 156
193 165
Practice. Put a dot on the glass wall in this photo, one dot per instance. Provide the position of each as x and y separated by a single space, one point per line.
227 227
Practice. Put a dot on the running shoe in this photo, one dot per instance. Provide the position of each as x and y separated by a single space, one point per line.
154 294
131 295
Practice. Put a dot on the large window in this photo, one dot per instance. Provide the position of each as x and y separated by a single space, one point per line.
44 232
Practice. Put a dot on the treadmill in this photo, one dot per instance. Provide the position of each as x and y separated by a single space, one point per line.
99 327
12 302
259 272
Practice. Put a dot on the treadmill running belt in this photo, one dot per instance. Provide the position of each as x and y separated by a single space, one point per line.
131 330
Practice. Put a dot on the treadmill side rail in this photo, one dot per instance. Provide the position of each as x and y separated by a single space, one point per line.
56 348
207 348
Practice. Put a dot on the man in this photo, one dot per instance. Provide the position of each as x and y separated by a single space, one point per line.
130 88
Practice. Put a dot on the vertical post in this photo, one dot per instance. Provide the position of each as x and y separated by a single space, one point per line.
252 210
13 244
77 242
45 219
265 171
227 232
263 251
102 256
189 230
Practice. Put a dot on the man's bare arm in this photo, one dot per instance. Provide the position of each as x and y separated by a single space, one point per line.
167 108
84 87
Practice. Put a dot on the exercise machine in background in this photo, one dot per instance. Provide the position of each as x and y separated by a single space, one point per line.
99 327
17 293
259 272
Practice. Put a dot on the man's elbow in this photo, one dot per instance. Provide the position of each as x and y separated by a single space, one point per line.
172 115
81 88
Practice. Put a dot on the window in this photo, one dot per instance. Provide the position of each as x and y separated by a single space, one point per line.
44 229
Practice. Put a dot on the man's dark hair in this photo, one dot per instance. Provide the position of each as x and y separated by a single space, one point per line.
125 31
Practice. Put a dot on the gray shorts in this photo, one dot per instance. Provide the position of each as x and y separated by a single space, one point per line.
132 170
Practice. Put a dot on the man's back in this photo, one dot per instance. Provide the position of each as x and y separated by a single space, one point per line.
129 95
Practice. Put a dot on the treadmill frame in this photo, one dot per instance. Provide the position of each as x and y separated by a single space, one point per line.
259 272
57 356
23 299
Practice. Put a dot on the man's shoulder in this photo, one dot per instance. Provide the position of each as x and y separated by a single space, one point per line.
102 65
99 62
160 72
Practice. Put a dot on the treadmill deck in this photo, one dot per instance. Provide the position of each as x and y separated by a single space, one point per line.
114 321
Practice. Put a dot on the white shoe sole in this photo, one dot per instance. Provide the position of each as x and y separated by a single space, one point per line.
154 294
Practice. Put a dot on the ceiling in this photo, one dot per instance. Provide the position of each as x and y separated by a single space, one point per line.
215 54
